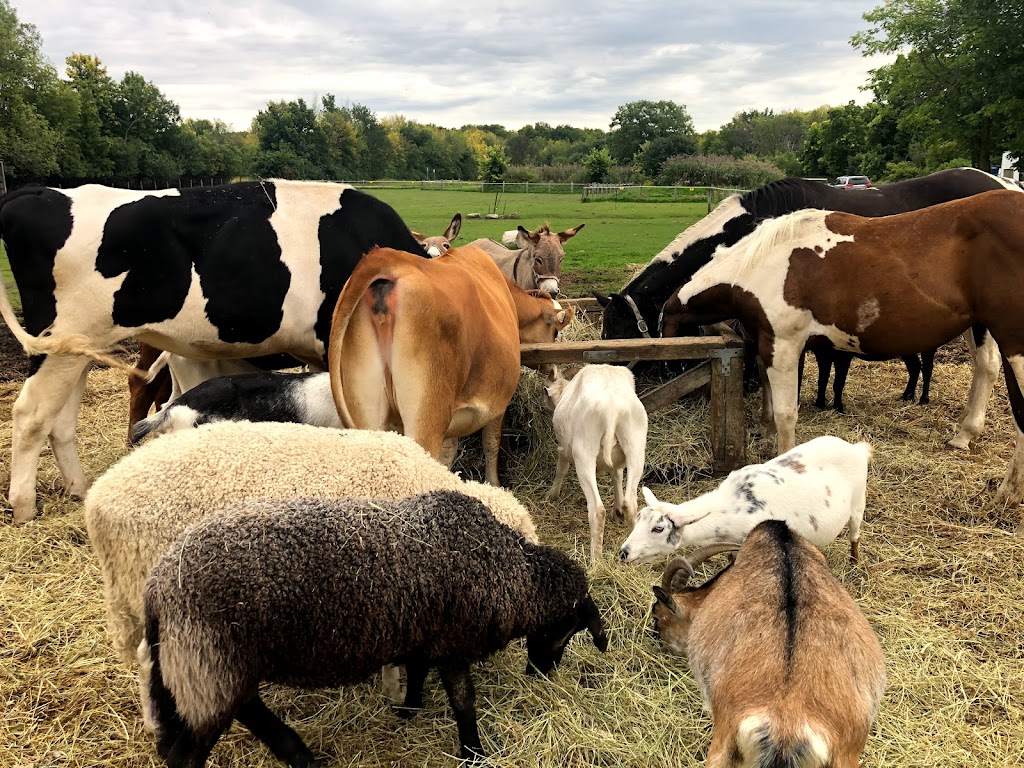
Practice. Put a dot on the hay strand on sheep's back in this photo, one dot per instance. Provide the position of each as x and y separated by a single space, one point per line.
941 581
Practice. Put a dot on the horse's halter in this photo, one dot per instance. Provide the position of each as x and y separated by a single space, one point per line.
641 324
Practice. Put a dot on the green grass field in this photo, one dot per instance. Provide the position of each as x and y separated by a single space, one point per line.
616 233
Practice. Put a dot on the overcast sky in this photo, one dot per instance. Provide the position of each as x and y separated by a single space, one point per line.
448 63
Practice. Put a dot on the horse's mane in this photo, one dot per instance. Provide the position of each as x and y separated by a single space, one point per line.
763 241
724 210
784 195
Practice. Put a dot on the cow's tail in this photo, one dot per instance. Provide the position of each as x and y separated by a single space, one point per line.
365 275
158 365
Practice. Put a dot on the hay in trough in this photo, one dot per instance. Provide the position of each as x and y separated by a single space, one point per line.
941 581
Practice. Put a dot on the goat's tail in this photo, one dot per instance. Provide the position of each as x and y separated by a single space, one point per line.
759 745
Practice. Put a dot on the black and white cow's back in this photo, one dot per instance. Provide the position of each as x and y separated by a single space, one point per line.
212 272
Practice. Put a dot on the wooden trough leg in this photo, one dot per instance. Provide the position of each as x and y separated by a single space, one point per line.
728 423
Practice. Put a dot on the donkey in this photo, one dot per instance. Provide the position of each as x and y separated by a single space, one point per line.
859 283
436 245
537 264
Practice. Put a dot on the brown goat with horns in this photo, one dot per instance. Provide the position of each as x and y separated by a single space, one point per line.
789 666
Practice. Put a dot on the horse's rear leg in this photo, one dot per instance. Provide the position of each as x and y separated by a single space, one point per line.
986 369
33 418
927 366
913 363
1011 490
841 361
782 380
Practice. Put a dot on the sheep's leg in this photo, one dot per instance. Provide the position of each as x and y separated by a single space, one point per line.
782 379
33 416
586 473
192 749
458 683
285 743
391 682
986 369
491 437
561 470
416 675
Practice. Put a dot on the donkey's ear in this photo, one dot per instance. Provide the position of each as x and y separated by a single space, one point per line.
454 228
563 236
419 238
603 300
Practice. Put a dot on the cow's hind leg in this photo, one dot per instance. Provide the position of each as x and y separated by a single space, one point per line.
33 418
1011 490
986 369
62 441
491 438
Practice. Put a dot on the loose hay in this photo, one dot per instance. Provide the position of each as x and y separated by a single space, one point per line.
940 581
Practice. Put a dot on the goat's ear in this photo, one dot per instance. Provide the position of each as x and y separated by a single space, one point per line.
649 497
664 598
603 300
594 624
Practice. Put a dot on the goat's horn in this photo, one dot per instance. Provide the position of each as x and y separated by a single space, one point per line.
674 566
691 561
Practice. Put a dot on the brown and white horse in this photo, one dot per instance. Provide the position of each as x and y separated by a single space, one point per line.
537 264
882 287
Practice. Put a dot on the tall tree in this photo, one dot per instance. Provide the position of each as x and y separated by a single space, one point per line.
957 69
638 122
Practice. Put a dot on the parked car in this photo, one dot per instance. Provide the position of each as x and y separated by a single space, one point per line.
853 182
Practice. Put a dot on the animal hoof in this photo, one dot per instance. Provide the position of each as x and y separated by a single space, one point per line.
959 443
407 713
907 396
923 401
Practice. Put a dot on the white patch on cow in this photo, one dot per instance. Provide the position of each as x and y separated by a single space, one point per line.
711 225
867 313
314 402
759 264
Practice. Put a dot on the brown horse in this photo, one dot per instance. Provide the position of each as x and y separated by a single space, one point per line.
884 288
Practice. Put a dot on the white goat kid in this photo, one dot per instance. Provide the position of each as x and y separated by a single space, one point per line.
817 488
601 424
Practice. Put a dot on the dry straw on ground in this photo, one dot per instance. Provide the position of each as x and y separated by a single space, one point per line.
941 581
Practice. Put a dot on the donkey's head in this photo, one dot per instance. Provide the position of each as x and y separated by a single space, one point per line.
545 248
440 244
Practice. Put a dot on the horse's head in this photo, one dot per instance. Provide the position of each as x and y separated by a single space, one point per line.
628 316
437 245
545 248
705 307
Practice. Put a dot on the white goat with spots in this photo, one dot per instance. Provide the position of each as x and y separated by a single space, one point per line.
601 424
817 488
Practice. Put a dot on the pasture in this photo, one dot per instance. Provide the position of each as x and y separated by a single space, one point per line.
941 578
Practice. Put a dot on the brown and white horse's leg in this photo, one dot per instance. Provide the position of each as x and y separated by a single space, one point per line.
33 418
767 413
1011 490
782 377
986 369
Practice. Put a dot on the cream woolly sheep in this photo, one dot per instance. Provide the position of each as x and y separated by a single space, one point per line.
429 581
139 506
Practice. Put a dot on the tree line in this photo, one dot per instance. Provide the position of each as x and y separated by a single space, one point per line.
952 96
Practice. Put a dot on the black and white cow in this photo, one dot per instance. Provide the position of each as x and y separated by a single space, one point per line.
233 271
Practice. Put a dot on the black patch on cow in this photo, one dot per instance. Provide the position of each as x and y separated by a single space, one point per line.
225 233
35 222
360 223
381 289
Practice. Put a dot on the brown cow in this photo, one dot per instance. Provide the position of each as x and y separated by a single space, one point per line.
431 348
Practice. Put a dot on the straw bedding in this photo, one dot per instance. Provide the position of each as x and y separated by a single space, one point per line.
941 581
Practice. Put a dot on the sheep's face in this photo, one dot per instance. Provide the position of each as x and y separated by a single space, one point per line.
545 646
672 616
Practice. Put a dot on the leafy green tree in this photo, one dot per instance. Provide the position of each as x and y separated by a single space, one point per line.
494 165
638 122
956 72
654 153
598 163
30 92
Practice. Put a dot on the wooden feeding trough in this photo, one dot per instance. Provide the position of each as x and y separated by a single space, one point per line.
723 369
